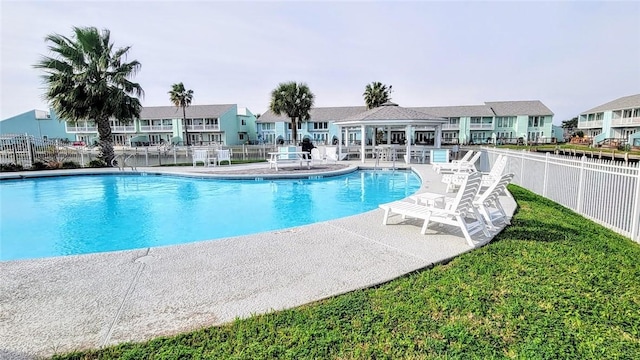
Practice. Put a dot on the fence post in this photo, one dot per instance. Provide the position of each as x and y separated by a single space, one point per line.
522 168
635 222
30 150
175 156
580 185
146 156
546 174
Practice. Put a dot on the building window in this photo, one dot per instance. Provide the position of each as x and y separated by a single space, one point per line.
538 121
241 136
505 121
320 125
243 122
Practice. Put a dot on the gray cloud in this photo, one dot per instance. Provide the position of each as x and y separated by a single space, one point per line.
570 55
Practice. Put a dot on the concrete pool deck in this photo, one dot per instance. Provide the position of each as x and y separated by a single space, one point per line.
62 304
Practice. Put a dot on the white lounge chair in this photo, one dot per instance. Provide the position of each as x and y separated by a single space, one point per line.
467 156
488 202
457 212
223 155
460 166
454 180
495 173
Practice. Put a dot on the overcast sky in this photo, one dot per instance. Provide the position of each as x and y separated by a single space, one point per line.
572 56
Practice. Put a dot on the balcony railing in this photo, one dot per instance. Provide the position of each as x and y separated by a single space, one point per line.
203 127
121 129
480 126
156 128
450 126
590 124
81 129
626 121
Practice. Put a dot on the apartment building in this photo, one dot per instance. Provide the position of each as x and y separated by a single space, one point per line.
224 124
503 121
617 120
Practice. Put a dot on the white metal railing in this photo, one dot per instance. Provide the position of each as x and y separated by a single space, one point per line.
605 191
626 121
203 127
74 129
121 128
589 124
480 126
450 126
156 127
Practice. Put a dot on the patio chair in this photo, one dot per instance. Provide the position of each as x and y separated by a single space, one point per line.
488 202
331 153
317 157
467 156
202 156
223 155
495 173
454 180
460 166
457 212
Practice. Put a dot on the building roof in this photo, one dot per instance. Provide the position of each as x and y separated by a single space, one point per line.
456 111
514 108
391 114
193 111
627 102
317 114
496 108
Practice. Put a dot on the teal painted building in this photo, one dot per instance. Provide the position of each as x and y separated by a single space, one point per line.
224 124
39 123
618 120
503 121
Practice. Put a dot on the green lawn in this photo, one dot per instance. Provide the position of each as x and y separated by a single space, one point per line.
552 285
548 147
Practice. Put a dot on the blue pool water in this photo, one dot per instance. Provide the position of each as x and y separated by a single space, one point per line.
57 216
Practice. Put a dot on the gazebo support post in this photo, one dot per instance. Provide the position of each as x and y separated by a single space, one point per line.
363 135
407 135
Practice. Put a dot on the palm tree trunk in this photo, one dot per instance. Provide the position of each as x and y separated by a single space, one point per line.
105 140
294 131
184 123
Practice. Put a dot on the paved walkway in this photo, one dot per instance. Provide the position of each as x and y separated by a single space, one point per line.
61 304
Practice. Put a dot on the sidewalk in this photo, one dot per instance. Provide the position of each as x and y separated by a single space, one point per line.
57 305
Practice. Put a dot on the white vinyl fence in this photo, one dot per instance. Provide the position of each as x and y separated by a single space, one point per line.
25 150
604 191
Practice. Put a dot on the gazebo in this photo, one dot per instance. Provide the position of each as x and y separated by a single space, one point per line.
390 116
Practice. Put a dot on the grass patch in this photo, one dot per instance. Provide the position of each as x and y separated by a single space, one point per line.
550 147
552 285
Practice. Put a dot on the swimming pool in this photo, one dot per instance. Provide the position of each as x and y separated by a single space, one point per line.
44 217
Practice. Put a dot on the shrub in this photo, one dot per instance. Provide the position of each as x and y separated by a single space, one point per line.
38 165
52 165
70 165
10 167
97 163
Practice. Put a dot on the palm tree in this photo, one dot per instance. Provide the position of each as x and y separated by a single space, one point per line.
293 99
376 94
86 80
181 98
